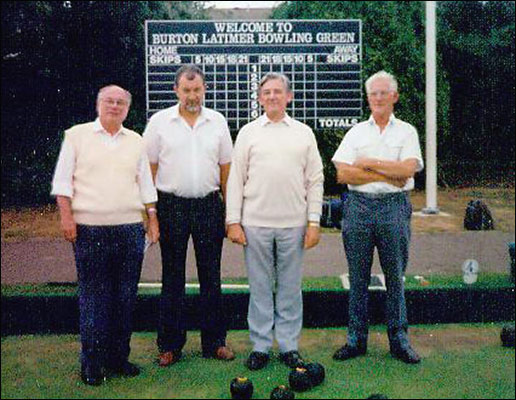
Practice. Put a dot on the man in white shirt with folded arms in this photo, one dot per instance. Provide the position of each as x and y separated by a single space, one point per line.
377 159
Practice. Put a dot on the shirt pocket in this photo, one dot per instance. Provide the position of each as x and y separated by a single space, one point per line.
366 151
393 149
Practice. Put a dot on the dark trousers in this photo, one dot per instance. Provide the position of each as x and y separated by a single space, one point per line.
382 222
109 262
203 219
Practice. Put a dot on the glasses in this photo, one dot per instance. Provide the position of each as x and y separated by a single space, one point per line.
117 102
381 93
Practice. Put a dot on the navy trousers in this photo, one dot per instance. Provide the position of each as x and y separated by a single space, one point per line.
109 262
203 219
381 221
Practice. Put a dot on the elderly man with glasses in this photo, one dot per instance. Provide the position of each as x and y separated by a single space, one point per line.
377 159
103 183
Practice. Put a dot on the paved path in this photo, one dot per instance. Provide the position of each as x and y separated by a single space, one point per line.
51 260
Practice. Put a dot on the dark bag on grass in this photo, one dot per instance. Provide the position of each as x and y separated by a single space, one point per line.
478 217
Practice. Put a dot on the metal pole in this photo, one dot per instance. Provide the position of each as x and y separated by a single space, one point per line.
431 120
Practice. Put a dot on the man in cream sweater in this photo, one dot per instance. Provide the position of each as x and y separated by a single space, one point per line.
274 202
103 183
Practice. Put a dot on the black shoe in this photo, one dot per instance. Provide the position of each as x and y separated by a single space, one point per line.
407 355
125 369
346 352
257 360
92 376
291 359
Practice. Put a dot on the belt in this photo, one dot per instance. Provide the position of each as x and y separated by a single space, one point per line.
376 196
209 196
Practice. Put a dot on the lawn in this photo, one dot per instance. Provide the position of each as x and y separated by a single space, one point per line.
459 361
487 280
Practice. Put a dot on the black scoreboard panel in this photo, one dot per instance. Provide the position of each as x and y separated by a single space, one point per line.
322 59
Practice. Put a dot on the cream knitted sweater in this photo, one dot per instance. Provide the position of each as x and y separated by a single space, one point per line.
106 191
276 177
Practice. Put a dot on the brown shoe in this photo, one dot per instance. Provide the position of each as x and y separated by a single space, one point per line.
224 353
168 358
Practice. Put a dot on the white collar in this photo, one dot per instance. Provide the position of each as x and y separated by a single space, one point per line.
174 113
264 120
392 119
98 128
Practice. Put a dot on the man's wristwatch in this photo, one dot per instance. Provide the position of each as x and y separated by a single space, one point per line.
313 223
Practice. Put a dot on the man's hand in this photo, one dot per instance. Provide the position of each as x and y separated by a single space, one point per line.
236 234
69 228
367 164
399 182
312 236
68 224
396 170
373 164
153 229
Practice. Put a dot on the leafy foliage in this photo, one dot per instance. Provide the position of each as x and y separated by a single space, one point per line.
56 56
476 40
393 39
475 82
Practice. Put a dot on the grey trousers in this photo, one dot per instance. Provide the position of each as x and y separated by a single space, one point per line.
382 222
274 262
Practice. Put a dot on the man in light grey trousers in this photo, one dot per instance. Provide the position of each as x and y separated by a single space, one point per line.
274 202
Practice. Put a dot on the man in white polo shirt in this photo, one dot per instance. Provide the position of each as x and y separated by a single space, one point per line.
189 149
274 205
378 159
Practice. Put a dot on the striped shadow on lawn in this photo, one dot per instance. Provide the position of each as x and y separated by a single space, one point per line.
459 361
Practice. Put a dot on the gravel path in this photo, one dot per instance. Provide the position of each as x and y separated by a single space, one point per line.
51 260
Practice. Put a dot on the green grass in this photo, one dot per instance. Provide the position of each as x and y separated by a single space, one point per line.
437 281
459 361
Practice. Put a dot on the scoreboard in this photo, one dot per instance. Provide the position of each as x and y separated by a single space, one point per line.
322 59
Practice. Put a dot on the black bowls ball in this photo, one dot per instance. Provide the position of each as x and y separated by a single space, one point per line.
282 392
241 388
299 380
316 372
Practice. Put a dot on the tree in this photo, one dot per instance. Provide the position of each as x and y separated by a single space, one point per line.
393 39
55 57
477 43
476 77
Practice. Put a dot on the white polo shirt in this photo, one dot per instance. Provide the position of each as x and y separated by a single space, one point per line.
398 142
188 158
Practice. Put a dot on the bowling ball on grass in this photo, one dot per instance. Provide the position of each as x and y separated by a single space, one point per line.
241 388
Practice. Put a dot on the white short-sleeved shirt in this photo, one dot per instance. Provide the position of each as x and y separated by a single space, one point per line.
398 142
188 158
